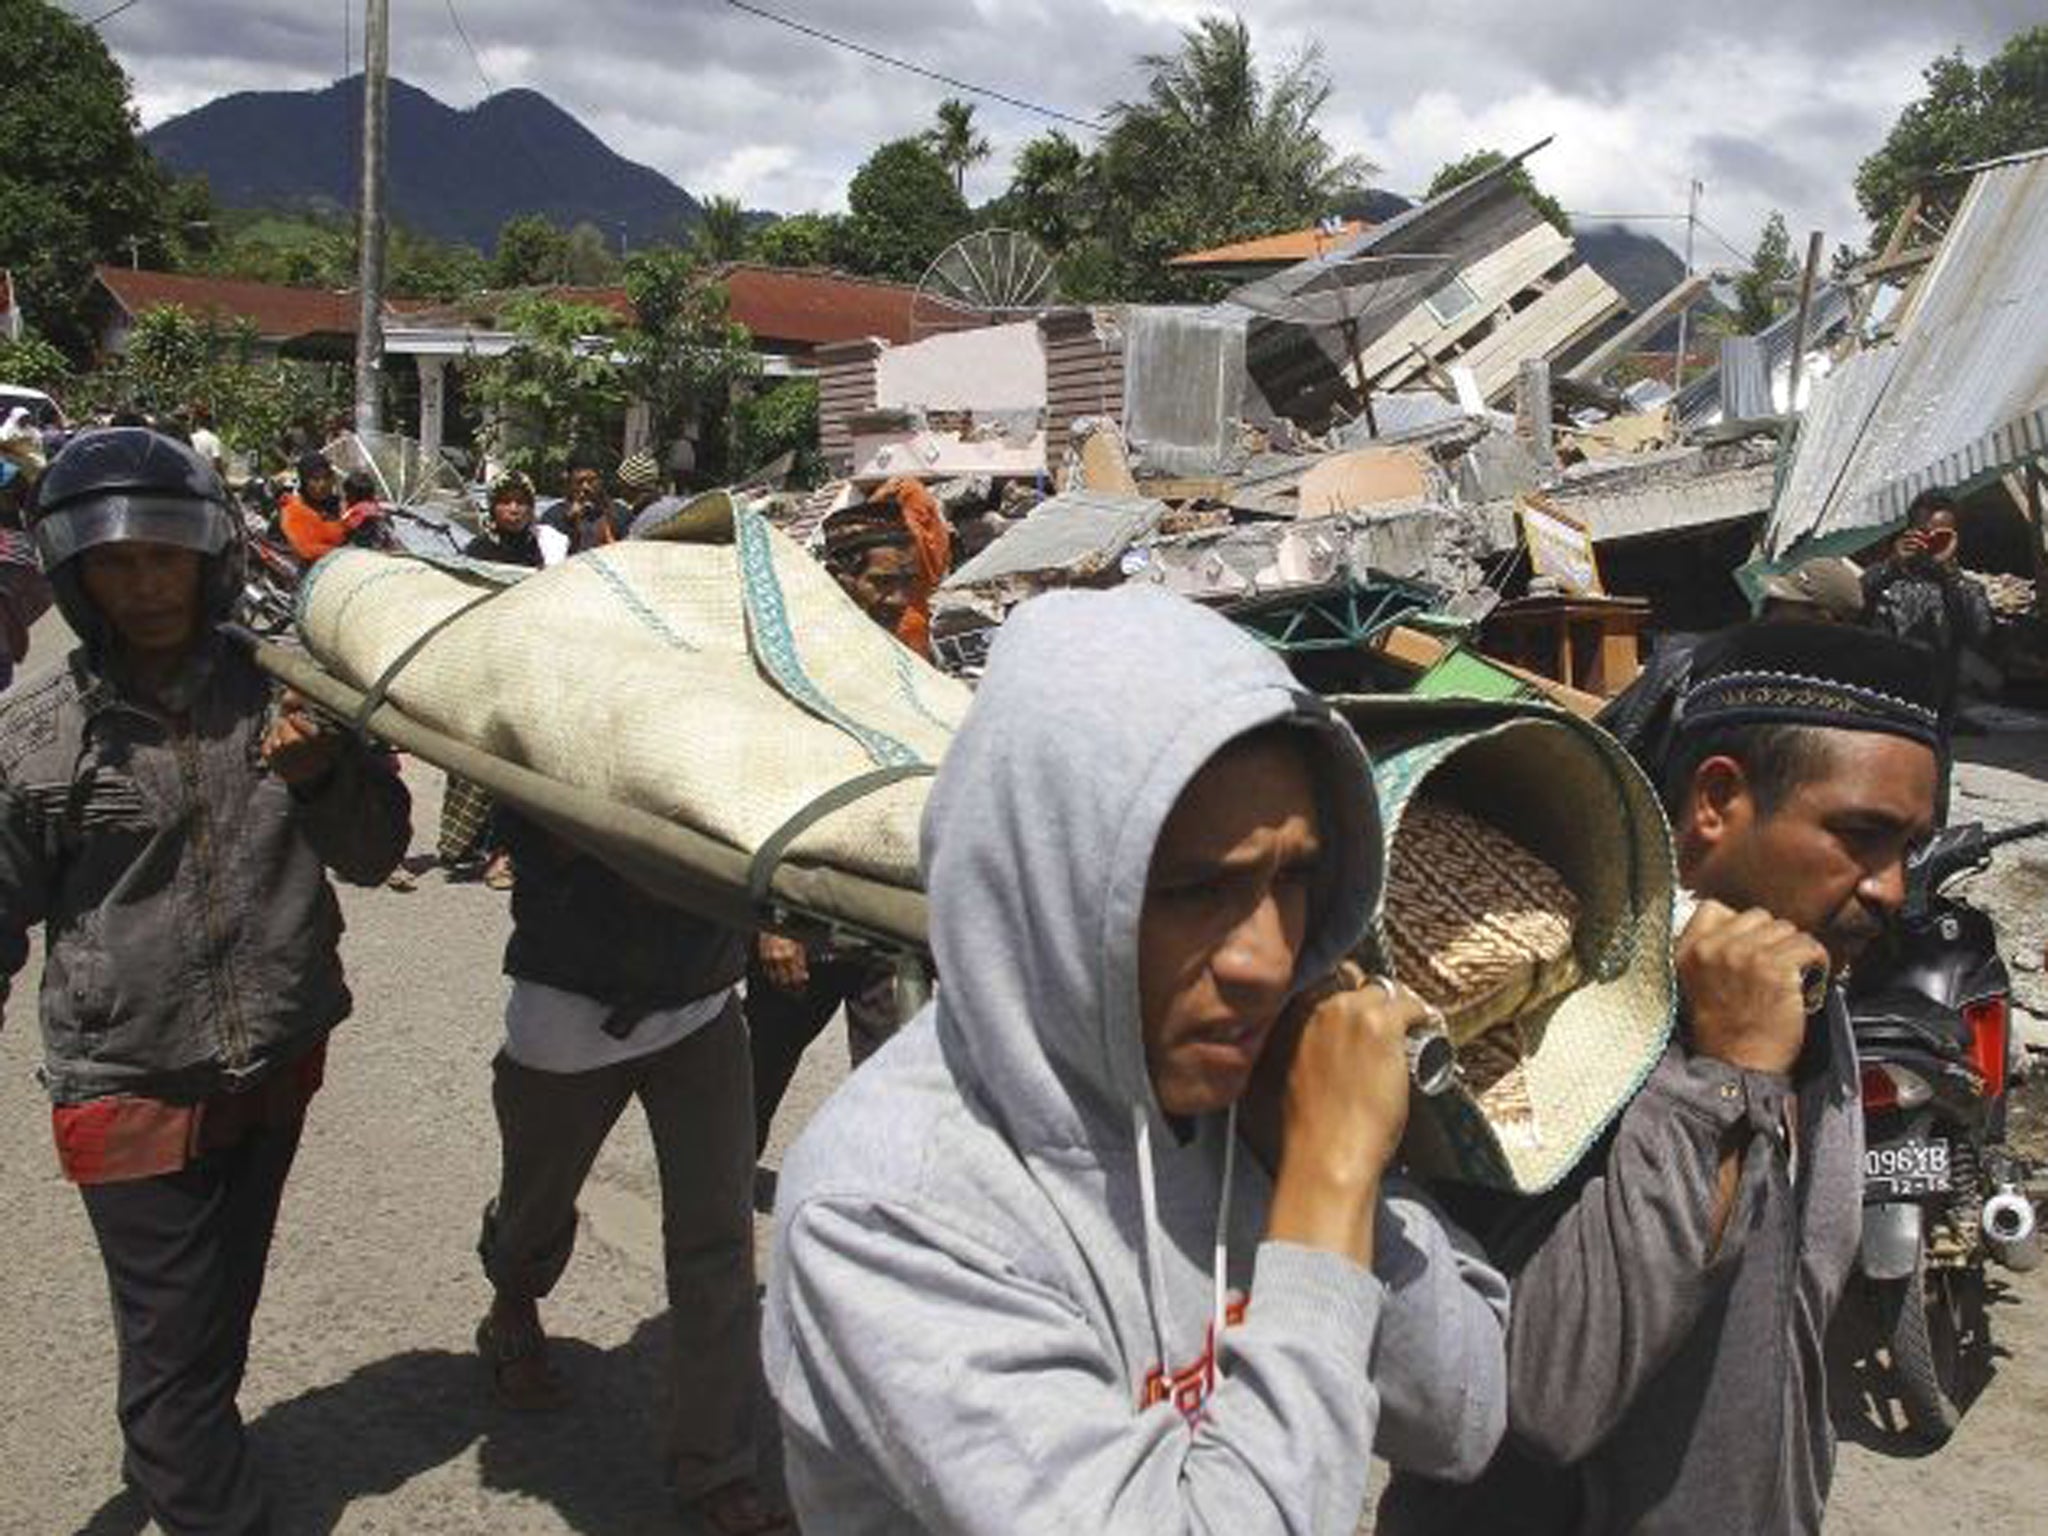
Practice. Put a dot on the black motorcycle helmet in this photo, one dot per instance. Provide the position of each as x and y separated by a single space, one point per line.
132 485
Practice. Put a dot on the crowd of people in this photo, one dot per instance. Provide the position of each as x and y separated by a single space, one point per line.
1114 1233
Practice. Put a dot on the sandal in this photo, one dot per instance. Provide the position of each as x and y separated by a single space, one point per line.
737 1508
517 1357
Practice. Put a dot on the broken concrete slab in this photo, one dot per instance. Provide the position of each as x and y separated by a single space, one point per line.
1073 537
1363 478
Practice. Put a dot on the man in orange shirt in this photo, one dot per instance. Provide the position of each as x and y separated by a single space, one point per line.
310 517
930 545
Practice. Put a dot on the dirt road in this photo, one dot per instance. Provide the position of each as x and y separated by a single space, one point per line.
365 1399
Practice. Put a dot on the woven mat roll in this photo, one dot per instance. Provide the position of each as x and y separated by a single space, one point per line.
725 687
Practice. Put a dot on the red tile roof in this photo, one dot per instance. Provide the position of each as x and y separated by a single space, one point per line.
278 313
812 307
800 307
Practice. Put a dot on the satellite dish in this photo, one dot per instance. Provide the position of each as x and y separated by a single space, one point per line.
990 277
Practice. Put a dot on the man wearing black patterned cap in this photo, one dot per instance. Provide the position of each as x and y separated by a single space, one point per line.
1670 1298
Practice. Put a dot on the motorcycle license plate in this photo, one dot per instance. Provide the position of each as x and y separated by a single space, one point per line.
1902 1169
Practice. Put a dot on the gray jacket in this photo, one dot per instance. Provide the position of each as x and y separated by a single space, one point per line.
191 935
998 1269
1656 1383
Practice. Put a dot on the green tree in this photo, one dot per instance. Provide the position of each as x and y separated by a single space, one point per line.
76 185
1051 191
782 418
33 362
801 240
420 267
1757 298
904 211
721 233
532 252
558 387
587 261
1964 115
175 359
1480 161
684 353
956 142
1215 150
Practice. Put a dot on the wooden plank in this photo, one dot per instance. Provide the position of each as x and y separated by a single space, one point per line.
1563 315
1494 279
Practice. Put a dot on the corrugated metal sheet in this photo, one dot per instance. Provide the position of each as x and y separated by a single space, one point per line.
1960 394
1184 387
1076 533
1745 379
1699 403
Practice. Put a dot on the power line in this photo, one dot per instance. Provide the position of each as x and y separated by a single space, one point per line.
1669 218
1091 124
541 171
110 15
474 57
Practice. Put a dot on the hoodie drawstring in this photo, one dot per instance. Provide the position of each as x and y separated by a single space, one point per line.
1155 1263
1221 1266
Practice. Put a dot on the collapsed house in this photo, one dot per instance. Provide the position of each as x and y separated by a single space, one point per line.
1395 449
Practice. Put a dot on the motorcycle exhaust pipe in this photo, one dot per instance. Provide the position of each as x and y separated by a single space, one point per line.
2012 1235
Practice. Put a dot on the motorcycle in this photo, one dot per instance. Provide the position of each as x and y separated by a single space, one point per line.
1943 1196
271 574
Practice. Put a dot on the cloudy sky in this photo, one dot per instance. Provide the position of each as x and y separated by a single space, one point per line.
1770 103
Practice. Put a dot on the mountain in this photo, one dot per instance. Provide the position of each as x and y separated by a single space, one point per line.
454 174
1642 268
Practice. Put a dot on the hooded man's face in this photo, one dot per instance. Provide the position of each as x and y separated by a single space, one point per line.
1829 856
1227 910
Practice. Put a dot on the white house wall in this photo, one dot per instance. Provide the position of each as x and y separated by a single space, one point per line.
997 368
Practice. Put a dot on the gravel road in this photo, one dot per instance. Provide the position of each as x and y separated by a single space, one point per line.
365 1399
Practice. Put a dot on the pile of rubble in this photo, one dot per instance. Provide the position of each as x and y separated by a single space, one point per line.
1411 445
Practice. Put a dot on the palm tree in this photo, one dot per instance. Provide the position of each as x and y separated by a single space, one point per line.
1211 95
1214 150
955 142
722 233
1048 188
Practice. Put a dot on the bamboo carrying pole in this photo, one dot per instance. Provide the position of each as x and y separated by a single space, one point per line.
676 863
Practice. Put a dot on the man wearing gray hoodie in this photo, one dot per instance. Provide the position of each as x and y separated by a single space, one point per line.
1104 1239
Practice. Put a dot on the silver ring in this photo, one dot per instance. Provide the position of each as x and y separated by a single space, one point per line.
1386 983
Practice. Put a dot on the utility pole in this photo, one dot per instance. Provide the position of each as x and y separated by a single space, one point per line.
1692 219
1805 312
370 231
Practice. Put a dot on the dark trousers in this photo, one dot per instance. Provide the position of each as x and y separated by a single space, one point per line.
185 1254
552 1124
783 1024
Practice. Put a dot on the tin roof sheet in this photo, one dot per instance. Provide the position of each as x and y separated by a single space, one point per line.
1959 395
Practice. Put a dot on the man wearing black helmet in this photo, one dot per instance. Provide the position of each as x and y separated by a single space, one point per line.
169 822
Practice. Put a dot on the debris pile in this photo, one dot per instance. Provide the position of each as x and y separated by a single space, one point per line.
1423 444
